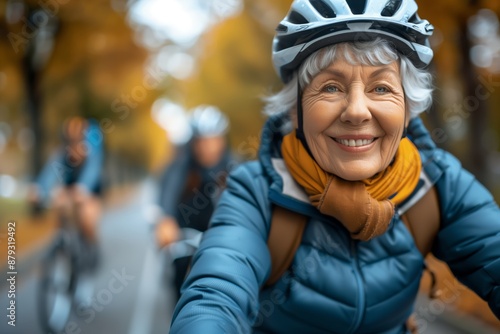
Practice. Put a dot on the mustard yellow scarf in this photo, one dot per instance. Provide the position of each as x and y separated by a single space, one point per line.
365 207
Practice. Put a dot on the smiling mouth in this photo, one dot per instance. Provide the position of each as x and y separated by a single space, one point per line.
355 142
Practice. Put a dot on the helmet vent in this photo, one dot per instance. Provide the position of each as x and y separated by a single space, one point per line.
415 19
391 8
281 28
296 18
323 9
357 6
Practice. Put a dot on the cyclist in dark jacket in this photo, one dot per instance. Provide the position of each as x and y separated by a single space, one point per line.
192 183
344 147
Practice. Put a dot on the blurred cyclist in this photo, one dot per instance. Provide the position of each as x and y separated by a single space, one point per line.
73 175
192 183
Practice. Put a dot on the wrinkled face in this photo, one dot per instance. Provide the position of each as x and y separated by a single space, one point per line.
209 150
354 118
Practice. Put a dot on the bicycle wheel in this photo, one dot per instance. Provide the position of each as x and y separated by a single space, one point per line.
57 284
86 264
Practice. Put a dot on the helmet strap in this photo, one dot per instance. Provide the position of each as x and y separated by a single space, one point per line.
405 129
299 132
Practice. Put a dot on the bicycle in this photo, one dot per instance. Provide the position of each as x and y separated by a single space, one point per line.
66 278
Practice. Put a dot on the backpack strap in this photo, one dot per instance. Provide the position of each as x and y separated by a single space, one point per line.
423 220
284 239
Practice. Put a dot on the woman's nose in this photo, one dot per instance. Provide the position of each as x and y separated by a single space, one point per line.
356 110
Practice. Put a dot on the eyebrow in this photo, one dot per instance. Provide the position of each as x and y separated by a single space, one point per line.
335 72
383 70
375 73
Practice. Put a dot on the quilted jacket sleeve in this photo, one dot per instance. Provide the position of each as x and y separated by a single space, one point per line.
220 294
469 238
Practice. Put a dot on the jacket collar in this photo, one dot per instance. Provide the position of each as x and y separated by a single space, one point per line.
283 190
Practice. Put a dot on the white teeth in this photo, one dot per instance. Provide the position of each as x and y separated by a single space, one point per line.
355 143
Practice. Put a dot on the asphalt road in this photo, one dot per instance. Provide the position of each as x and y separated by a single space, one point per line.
130 296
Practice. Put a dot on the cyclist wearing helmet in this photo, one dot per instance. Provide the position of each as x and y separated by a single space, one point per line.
345 148
192 183
74 173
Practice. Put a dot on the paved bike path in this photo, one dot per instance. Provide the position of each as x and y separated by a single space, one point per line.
128 297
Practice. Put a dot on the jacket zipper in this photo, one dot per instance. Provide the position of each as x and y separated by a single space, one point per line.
361 292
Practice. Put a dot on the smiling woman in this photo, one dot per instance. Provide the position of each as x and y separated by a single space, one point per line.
344 148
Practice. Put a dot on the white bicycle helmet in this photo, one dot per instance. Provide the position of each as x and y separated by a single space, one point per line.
208 121
313 24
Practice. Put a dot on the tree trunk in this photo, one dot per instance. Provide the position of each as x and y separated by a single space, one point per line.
476 108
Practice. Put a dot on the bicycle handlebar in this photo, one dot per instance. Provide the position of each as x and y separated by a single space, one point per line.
186 246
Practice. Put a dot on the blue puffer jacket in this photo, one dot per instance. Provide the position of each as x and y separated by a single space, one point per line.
335 284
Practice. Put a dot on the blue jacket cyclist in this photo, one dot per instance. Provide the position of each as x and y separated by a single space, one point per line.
74 174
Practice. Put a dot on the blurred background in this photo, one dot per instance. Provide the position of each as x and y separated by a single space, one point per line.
136 65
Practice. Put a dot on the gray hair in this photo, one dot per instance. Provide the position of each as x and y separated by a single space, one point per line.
417 83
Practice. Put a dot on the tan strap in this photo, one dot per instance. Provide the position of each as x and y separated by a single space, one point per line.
284 239
423 221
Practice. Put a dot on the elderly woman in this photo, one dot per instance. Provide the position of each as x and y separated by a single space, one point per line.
345 148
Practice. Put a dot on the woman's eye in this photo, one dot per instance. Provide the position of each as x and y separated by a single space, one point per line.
381 90
330 89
